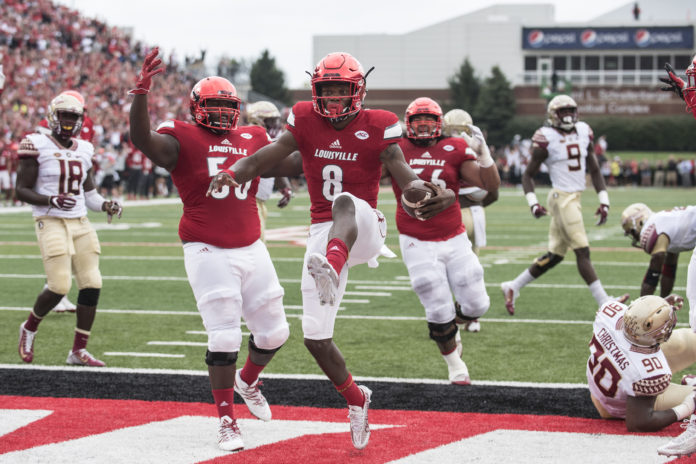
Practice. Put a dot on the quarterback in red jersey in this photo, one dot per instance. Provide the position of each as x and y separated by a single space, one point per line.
228 267
438 253
343 148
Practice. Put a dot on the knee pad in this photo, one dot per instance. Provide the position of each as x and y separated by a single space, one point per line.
227 340
219 358
548 261
442 332
474 307
88 297
276 341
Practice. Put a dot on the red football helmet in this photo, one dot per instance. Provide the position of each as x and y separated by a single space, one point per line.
338 67
216 116
424 105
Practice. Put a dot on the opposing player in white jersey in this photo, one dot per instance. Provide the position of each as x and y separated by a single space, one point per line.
663 235
55 177
265 114
565 145
472 200
633 353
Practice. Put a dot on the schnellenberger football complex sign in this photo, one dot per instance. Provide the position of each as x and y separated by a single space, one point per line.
607 38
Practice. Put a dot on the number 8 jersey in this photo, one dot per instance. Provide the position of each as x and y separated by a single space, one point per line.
567 155
617 368
61 171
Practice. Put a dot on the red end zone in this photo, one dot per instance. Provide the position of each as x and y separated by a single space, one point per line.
395 435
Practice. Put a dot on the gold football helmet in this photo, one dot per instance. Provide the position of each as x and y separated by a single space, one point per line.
565 121
649 321
455 122
633 219
65 103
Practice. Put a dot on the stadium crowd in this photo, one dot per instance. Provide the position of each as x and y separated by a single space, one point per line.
46 48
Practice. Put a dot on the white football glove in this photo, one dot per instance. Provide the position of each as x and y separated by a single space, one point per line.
477 142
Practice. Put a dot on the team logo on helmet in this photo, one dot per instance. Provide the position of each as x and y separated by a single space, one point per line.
649 321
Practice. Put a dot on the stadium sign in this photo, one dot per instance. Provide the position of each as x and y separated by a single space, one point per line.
607 38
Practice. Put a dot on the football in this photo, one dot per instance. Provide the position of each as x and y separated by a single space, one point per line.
413 192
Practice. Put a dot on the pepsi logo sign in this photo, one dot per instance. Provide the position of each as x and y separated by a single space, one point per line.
588 38
642 37
536 38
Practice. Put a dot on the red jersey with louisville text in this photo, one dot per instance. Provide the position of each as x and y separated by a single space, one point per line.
439 164
346 160
228 219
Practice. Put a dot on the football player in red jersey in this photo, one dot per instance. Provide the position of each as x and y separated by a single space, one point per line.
438 253
343 148
55 177
685 90
228 266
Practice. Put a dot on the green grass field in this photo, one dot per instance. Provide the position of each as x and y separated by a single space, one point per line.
147 306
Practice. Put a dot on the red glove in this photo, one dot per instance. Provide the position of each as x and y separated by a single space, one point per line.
538 210
603 213
62 201
287 195
674 83
144 79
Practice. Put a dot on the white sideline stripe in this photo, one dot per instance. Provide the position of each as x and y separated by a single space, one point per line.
360 284
510 320
488 259
123 370
143 355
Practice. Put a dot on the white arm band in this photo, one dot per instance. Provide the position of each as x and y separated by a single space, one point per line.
93 200
603 197
682 411
531 199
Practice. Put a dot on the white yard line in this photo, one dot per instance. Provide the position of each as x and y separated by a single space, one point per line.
123 370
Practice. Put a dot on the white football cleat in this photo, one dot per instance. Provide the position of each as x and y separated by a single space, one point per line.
325 277
83 358
229 435
253 397
459 375
473 326
65 305
684 444
26 343
620 299
510 295
359 425
689 379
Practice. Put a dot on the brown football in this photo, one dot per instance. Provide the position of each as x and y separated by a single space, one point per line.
413 192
